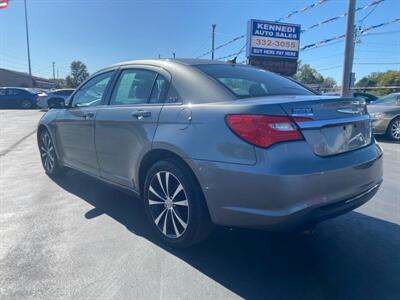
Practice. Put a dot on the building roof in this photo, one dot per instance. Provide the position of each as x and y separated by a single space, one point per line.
26 75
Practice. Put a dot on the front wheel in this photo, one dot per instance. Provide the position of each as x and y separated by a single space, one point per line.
394 129
48 154
175 204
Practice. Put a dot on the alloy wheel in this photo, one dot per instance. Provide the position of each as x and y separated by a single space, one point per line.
47 152
26 104
395 129
168 204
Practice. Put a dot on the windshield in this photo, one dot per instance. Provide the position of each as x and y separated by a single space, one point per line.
388 100
246 82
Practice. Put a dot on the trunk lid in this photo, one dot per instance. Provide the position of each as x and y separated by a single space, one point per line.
331 126
337 125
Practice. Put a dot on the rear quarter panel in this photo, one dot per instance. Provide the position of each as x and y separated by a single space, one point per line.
199 131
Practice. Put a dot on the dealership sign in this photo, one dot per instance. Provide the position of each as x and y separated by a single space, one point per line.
273 39
273 46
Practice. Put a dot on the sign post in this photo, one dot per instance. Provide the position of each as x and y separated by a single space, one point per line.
273 46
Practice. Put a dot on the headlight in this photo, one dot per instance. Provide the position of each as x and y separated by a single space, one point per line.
377 116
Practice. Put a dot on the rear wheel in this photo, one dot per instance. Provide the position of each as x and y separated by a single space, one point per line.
48 155
393 130
175 205
26 104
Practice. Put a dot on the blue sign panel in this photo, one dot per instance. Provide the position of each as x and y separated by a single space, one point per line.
273 39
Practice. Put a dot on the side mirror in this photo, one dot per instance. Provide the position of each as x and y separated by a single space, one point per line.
56 102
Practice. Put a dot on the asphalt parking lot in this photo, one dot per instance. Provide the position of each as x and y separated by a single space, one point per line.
76 238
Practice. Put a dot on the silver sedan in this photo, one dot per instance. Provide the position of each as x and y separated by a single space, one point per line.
385 113
205 142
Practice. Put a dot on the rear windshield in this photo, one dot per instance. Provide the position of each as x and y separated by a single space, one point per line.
389 100
245 82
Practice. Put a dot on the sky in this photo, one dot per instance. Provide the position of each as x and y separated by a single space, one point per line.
104 32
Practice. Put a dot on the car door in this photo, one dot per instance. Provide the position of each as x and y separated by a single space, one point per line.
125 128
4 98
14 97
75 124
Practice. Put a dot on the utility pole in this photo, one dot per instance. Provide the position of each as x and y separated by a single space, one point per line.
348 49
173 55
54 72
27 44
58 74
213 41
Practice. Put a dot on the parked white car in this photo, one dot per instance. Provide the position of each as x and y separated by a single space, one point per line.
62 93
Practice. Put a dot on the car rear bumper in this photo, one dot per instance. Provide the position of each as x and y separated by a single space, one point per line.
271 197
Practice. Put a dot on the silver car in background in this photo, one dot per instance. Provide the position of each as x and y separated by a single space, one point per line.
385 113
61 93
205 142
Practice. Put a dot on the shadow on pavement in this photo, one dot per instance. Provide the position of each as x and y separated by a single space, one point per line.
353 256
383 139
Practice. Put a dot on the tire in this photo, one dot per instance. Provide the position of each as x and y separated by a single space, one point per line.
48 155
393 131
26 104
177 211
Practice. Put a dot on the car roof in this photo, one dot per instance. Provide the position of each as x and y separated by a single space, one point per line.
15 87
29 90
164 61
200 87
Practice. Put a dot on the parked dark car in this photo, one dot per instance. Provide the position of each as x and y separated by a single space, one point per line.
385 113
369 98
16 97
205 142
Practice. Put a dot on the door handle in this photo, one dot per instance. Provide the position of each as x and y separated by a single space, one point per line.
140 114
88 115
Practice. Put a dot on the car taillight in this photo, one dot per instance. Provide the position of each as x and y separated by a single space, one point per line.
264 130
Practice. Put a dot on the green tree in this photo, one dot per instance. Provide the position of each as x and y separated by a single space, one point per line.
79 73
308 75
329 83
60 83
377 79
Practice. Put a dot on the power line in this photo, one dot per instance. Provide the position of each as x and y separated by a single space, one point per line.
235 53
361 63
223 45
329 68
378 63
365 30
18 60
368 14
308 7
385 32
326 21
362 32
202 45
301 10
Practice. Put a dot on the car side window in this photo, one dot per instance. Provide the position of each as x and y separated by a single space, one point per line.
173 96
14 92
92 92
389 100
133 87
159 92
